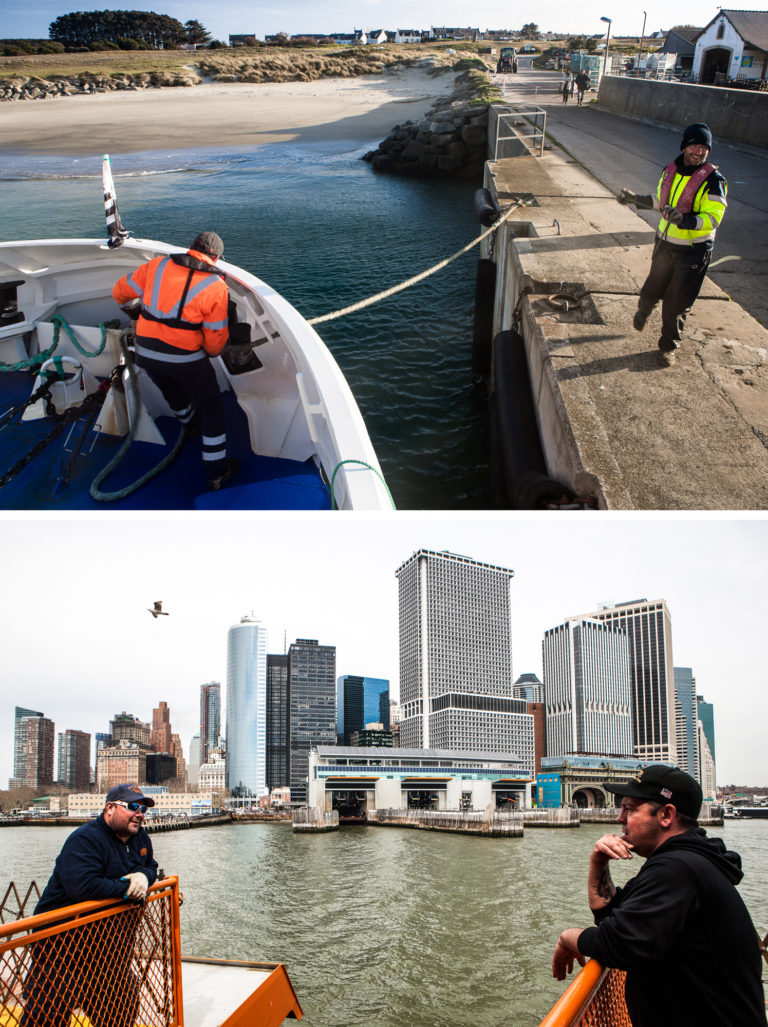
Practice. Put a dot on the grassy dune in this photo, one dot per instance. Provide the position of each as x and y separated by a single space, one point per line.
182 67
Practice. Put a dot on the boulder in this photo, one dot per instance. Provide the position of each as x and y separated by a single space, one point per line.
474 135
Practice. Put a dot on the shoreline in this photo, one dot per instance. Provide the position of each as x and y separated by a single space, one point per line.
221 114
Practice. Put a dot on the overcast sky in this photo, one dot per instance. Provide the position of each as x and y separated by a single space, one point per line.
31 20
80 645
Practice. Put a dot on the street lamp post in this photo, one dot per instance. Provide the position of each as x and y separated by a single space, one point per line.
642 40
607 43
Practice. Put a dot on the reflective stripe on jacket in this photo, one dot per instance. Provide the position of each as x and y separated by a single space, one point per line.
181 306
707 209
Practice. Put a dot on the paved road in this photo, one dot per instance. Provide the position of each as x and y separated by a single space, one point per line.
621 151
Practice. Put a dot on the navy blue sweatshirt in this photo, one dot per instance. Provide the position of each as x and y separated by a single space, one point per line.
683 934
91 863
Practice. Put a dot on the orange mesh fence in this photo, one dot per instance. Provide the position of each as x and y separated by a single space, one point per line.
607 1007
595 998
106 965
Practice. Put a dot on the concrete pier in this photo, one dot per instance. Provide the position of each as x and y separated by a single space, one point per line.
313 820
487 823
616 424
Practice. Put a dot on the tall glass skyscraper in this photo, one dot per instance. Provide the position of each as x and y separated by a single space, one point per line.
247 708
456 657
210 718
360 701
649 633
707 718
688 725
587 690
312 691
278 774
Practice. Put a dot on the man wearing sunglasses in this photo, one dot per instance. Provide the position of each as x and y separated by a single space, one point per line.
107 858
679 927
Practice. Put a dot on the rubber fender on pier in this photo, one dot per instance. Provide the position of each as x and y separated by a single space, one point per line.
519 479
485 294
486 207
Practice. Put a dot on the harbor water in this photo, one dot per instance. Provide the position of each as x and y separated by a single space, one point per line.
383 927
319 226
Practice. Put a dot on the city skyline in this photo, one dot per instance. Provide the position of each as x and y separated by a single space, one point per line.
301 16
97 651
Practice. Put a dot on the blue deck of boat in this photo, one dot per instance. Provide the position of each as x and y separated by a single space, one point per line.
263 483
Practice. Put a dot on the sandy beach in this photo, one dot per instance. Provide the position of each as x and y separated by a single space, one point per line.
232 114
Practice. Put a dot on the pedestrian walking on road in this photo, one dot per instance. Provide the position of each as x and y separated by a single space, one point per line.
567 84
582 85
691 196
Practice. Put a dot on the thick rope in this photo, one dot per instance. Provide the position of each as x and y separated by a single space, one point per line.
361 463
58 323
111 497
362 304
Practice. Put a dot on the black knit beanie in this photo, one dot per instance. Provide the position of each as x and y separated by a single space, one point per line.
698 133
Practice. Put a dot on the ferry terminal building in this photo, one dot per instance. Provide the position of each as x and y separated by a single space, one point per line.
578 780
355 780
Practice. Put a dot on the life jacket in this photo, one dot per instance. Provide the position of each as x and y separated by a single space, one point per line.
183 302
695 181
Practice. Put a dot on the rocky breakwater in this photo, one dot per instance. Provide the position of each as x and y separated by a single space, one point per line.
86 85
450 142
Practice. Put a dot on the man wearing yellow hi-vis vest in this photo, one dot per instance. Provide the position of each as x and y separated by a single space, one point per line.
691 196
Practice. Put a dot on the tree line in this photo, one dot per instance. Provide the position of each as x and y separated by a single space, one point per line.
124 30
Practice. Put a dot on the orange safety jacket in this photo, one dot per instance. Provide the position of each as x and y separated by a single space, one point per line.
184 303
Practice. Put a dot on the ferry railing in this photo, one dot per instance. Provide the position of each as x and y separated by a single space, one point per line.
594 998
107 962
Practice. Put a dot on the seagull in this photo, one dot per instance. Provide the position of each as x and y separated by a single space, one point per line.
157 610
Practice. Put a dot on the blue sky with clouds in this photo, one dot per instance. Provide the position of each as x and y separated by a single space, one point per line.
296 16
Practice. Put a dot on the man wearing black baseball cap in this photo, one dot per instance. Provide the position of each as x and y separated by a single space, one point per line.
679 927
107 858
691 196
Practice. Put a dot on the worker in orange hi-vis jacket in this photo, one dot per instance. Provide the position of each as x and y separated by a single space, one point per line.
180 305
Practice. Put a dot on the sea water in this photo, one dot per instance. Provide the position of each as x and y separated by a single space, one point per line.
388 927
316 223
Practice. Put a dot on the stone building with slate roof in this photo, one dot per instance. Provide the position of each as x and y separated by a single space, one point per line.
733 47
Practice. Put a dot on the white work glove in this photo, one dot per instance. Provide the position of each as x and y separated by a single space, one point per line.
626 196
137 886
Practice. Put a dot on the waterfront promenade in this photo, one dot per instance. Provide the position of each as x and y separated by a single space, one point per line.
690 437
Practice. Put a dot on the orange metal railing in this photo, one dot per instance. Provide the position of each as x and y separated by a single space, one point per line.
115 963
595 998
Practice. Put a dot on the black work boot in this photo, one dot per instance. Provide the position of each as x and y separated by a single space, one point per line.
233 466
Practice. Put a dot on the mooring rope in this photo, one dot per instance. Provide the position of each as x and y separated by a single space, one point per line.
360 463
362 304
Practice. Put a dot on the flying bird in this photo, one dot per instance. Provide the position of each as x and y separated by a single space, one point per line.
157 610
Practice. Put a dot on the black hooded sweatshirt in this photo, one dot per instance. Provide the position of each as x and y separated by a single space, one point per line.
683 934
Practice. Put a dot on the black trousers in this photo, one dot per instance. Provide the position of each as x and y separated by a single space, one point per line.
192 392
675 278
69 971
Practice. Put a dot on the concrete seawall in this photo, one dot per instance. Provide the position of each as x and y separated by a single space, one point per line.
615 425
738 115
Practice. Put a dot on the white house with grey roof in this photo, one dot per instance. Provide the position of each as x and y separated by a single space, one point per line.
732 47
